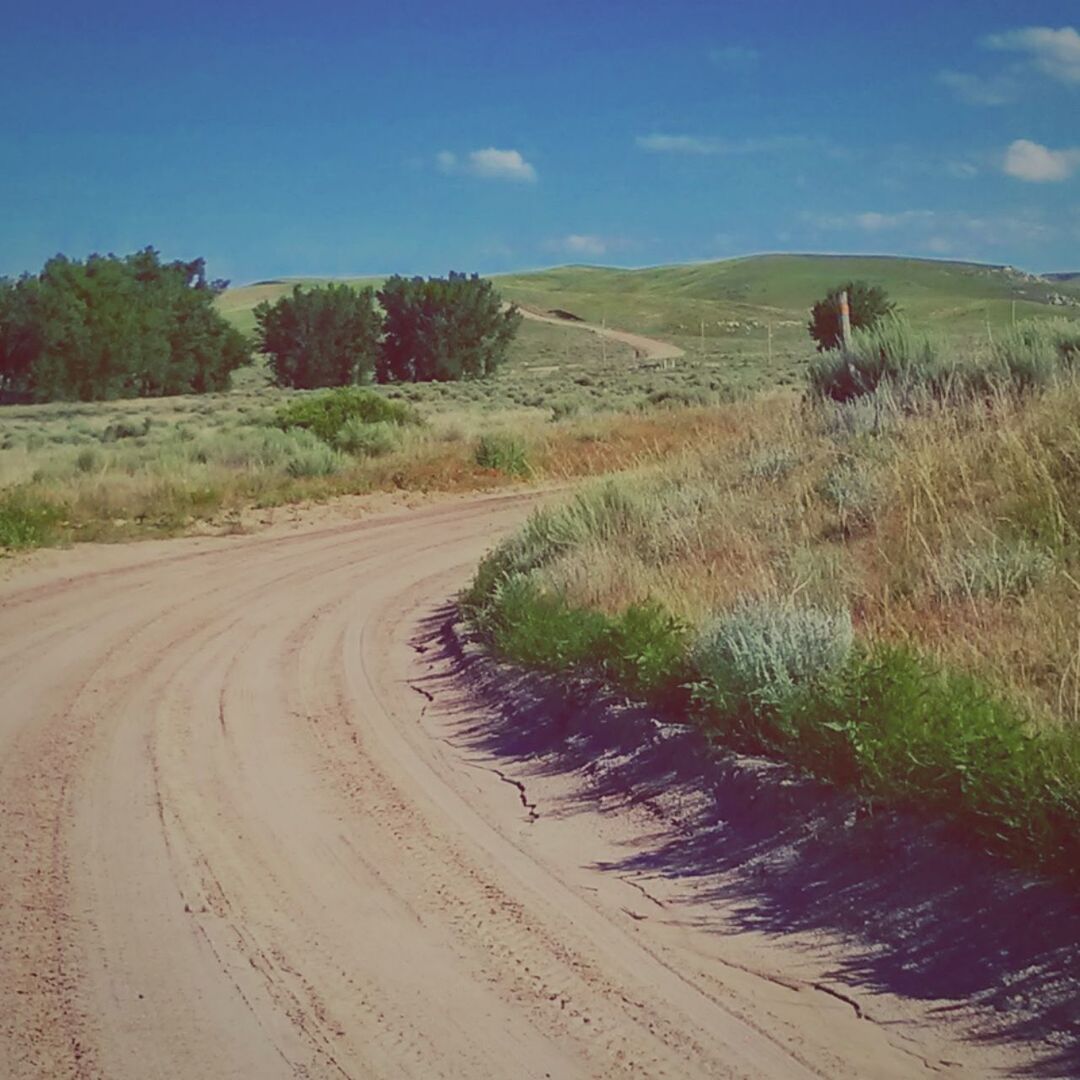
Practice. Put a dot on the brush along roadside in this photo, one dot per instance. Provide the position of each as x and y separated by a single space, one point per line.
881 594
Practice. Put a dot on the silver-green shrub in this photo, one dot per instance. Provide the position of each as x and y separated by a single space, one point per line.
851 489
772 463
314 458
765 648
1001 570
363 439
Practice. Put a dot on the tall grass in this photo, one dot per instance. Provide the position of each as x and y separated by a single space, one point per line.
886 595
1032 355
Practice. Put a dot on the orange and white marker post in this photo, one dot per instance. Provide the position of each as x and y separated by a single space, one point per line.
845 319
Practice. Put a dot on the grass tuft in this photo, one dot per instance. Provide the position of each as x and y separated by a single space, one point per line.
503 453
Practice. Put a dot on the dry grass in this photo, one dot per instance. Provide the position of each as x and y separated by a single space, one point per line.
204 460
956 530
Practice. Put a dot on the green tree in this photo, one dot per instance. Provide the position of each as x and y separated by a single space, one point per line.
320 337
868 304
441 329
115 327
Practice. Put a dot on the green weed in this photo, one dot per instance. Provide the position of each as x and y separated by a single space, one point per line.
25 523
324 413
504 453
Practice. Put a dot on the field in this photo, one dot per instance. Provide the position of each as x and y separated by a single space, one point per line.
577 403
723 314
567 405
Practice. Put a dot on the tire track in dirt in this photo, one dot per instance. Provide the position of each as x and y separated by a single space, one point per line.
233 849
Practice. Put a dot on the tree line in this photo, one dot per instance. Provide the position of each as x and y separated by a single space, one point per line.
111 327
411 330
134 326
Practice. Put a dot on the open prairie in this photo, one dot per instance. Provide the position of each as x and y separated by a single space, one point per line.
276 814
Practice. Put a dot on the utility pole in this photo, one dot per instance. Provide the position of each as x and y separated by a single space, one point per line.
845 319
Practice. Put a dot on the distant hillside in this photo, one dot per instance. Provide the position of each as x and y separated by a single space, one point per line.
737 297
672 300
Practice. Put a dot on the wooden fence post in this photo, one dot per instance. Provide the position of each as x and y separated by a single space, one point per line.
845 319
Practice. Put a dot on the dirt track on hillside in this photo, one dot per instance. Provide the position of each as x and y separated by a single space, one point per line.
238 841
645 348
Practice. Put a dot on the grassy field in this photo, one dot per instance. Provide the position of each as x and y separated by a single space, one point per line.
126 468
742 303
123 469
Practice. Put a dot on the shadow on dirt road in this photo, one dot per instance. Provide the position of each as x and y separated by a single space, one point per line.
920 915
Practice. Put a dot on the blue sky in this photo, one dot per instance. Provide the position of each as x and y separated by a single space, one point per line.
323 138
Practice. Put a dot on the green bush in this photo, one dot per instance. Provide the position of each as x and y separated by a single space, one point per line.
642 650
1032 354
313 459
86 460
565 409
126 429
763 649
504 453
325 413
25 523
895 726
889 351
363 439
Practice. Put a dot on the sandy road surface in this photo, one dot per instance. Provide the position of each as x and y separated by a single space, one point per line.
235 844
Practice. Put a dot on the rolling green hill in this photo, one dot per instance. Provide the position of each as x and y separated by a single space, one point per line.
778 289
748 316
672 300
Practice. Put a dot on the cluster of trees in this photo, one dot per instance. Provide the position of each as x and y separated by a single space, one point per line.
114 327
438 329
320 337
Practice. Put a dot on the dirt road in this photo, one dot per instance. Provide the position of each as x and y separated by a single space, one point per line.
237 842
646 348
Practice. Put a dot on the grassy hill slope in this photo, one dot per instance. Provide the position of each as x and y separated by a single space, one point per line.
672 300
747 317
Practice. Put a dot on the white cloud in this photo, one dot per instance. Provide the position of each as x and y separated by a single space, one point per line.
1056 53
976 90
488 164
1035 163
962 170
939 232
735 58
704 145
676 144
941 245
872 221
584 244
